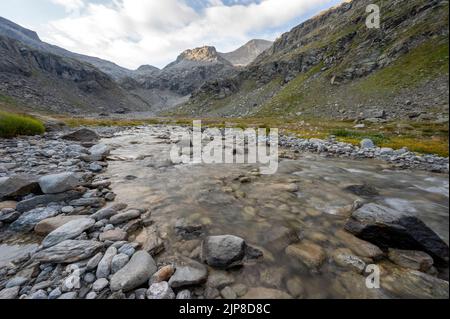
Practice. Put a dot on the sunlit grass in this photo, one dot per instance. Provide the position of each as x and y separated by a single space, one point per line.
12 125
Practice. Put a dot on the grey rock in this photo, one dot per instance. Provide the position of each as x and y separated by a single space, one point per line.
160 290
107 212
100 284
28 204
126 216
95 167
69 230
16 281
94 261
69 295
40 294
59 183
228 293
193 274
184 294
55 293
100 150
82 135
89 278
27 221
104 266
137 272
223 251
118 262
9 293
127 249
18 185
92 295
68 251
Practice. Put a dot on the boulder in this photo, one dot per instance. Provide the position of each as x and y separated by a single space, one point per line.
388 228
18 185
69 230
59 183
68 251
27 221
82 135
46 226
223 251
137 272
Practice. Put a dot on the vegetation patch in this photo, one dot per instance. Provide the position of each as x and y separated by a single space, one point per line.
12 125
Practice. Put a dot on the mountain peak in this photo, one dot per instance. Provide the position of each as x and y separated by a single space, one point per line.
201 54
247 53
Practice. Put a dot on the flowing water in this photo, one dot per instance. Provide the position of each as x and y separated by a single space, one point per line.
306 196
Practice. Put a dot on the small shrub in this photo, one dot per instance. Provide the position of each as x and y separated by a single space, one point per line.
12 125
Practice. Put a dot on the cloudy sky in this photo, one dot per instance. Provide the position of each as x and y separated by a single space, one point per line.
136 32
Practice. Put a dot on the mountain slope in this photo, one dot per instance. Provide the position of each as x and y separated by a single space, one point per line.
333 66
52 83
247 53
31 39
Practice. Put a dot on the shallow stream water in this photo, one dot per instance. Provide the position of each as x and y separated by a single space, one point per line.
307 197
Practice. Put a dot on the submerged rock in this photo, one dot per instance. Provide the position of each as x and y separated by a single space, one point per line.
308 253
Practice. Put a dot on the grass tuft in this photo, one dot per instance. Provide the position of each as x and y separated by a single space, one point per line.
12 125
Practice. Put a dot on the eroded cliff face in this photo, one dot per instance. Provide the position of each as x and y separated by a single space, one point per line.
333 65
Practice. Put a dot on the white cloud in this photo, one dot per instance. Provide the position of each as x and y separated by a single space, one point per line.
136 32
70 5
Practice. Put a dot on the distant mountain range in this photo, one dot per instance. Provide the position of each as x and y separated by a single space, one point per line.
31 70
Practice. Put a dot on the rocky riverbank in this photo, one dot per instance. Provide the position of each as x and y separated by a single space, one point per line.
91 243
399 159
